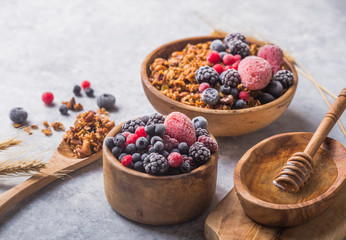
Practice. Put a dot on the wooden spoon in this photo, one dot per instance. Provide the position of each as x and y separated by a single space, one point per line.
298 168
63 160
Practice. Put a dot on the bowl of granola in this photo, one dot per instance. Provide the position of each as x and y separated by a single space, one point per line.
239 85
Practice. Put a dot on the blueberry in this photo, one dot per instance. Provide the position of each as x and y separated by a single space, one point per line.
131 148
165 153
200 122
109 142
76 90
119 139
275 89
106 101
183 148
145 119
142 143
175 150
89 92
221 76
121 156
116 151
151 150
158 146
210 96
144 155
217 45
150 130
235 93
155 139
18 115
139 166
63 109
136 157
160 129
225 89
265 98
239 104
222 54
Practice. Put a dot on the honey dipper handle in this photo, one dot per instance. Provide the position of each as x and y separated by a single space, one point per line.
327 123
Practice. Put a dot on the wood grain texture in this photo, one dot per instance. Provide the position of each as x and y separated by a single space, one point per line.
221 122
267 204
63 160
158 200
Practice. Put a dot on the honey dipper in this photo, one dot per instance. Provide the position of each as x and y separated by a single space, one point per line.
299 167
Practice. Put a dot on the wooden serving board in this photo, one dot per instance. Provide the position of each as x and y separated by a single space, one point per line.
229 221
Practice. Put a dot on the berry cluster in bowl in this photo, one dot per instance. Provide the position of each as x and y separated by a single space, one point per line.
161 145
228 74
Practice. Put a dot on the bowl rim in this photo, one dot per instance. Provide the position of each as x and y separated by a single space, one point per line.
241 188
107 154
279 101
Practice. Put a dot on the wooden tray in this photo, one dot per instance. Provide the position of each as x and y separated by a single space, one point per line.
229 221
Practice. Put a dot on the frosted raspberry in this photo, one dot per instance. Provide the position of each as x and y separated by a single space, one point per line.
209 142
218 68
140 132
244 95
213 57
169 143
203 86
126 160
180 127
131 138
175 159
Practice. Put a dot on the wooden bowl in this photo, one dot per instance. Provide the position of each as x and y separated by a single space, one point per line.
221 122
158 200
267 204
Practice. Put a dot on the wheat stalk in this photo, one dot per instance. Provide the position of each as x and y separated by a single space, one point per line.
26 166
9 143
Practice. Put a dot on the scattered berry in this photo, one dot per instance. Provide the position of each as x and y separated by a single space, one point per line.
235 36
126 160
199 153
142 143
207 74
63 109
239 104
213 57
275 89
210 96
85 84
106 101
200 122
228 59
180 127
285 77
217 45
203 86
201 132
77 90
156 164
218 68
160 129
18 115
231 78
209 142
238 47
244 95
119 139
175 159
131 148
156 118
225 89
155 139
109 142
131 139
183 148
47 98
117 151
140 132
89 92
132 125
169 143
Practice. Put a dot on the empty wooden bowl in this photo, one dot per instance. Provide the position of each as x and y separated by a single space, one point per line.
221 122
265 203
158 200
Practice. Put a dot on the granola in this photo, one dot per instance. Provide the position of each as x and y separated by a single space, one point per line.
58 126
73 105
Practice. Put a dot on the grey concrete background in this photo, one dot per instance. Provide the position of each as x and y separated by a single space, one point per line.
53 45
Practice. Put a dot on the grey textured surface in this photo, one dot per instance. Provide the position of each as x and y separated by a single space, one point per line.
52 45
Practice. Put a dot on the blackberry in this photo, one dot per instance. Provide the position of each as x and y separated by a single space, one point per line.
285 77
63 109
207 74
233 37
185 167
156 118
275 89
18 115
132 125
76 90
138 166
217 45
199 153
201 132
239 48
145 119
189 160
231 78
156 164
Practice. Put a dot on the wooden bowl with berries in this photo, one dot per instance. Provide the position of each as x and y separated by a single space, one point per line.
161 194
232 107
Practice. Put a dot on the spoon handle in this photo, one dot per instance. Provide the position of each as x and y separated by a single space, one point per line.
327 123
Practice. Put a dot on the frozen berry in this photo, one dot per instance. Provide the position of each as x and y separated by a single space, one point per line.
132 138
156 164
140 132
185 167
18 115
213 57
85 84
235 65
180 127
131 148
165 153
275 89
109 142
203 86
210 96
142 143
239 104
121 156
116 151
151 150
132 125
119 139
139 166
158 146
144 155
217 45
175 159
209 142
237 57
169 143
218 68
155 139
225 89
160 129
175 150
239 47
89 92
228 67
200 122
63 109
47 98
207 74
126 160
183 148
76 90
231 78
244 95
265 98
285 77
228 59
201 132
235 93
136 157
199 153
145 119
156 118
106 101
222 54
235 36
150 130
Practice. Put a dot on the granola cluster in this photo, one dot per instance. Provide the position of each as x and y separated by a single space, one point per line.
87 135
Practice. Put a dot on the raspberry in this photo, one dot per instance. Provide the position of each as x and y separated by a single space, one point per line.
169 143
207 74
209 142
239 47
156 118
199 153
156 164
228 67
47 98
203 86
201 132
244 95
85 84
131 138
285 77
228 59
126 160
175 159
180 127
140 132
235 65
231 78
213 57
126 134
218 68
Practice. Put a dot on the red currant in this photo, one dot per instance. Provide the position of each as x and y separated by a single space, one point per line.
47 98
